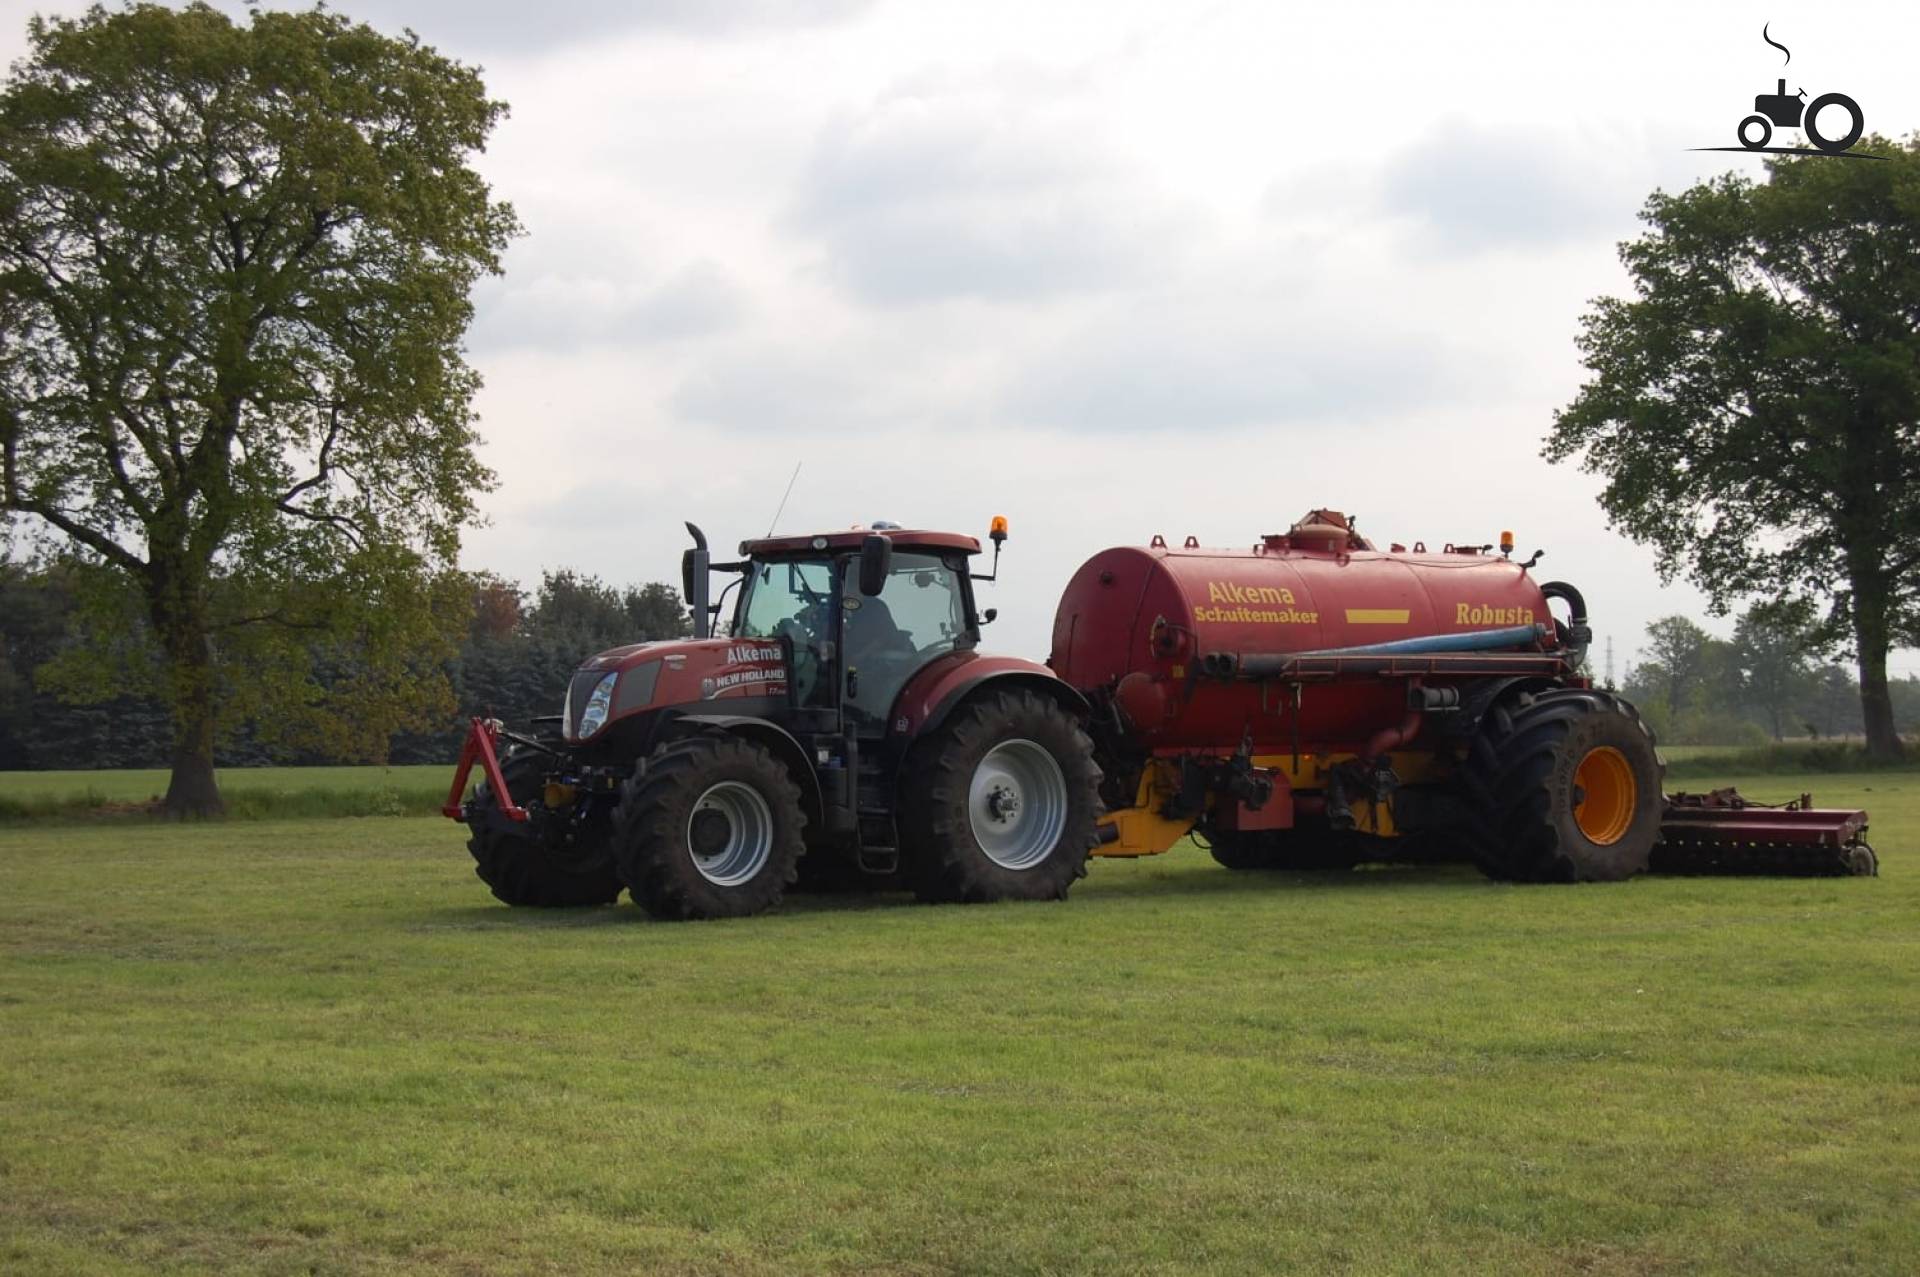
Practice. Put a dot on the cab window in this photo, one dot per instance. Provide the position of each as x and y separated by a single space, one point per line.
917 615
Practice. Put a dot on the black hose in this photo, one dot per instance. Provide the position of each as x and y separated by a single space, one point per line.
1579 633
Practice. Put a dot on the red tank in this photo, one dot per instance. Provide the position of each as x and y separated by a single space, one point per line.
1140 627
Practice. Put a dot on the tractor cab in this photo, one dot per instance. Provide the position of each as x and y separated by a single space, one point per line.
859 613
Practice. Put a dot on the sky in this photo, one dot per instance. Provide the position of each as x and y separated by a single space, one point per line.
1108 269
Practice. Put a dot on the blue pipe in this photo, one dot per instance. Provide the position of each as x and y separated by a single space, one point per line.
1473 641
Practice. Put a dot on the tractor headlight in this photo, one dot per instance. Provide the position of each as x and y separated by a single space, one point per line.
599 705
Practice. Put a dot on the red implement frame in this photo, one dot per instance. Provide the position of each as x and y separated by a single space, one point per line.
1724 816
478 747
1723 833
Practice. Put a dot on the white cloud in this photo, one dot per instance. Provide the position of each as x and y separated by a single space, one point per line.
1000 187
564 312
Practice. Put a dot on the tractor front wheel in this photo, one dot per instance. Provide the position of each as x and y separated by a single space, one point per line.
708 827
534 861
1000 802
1566 786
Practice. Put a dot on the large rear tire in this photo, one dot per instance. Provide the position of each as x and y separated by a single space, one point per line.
536 862
1566 786
708 827
1000 803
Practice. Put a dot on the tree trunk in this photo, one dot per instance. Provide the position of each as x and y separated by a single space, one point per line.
192 790
179 611
1876 706
1872 637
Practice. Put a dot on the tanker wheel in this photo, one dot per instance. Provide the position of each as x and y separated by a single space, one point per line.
1567 788
530 862
1000 802
708 827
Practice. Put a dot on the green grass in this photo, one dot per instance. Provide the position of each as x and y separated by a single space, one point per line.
291 1047
251 793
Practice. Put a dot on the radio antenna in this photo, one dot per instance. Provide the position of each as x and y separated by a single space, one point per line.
783 498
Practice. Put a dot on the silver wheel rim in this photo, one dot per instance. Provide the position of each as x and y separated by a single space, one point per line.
1017 804
740 850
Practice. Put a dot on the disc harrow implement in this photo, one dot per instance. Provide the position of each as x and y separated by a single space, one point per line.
1722 833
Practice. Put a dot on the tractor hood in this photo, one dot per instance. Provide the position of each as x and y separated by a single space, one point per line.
623 681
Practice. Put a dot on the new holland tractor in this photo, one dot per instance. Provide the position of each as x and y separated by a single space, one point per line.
1308 702
847 729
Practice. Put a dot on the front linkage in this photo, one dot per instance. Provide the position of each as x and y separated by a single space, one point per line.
479 747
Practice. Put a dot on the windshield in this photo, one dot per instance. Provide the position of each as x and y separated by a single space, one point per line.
796 591
792 599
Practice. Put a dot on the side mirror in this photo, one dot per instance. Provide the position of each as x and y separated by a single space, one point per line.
989 616
876 556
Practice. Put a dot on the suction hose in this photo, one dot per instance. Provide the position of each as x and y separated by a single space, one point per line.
1579 634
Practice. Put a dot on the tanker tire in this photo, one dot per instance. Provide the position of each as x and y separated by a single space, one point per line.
1244 851
520 867
1302 848
708 778
1520 781
945 862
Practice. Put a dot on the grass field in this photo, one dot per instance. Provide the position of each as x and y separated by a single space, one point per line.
250 792
320 1046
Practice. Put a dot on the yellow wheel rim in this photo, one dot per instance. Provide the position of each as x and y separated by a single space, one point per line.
1609 795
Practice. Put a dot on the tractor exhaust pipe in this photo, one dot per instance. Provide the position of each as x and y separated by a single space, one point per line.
694 565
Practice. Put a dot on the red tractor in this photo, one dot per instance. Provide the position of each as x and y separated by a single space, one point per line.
846 731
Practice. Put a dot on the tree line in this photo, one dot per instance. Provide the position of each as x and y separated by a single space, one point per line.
1772 680
62 706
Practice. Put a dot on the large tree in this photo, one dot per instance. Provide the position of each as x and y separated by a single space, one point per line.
1755 406
235 262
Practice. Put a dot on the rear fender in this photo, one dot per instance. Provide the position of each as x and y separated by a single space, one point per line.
944 685
777 741
1481 696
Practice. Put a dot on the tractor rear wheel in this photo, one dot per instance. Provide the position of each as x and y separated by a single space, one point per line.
708 827
1000 802
534 862
1567 787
